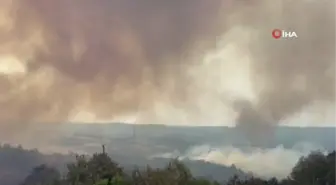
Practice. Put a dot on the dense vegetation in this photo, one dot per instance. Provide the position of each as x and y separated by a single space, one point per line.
17 162
100 169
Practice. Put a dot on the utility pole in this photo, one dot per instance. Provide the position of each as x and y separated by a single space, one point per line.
103 146
134 131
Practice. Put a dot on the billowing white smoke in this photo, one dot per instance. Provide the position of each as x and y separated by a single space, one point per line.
276 162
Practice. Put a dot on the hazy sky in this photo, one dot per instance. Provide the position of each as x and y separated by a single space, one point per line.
166 62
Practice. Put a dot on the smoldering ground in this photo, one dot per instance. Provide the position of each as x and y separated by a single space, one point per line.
116 58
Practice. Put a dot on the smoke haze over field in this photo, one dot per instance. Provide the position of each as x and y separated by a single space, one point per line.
164 61
277 162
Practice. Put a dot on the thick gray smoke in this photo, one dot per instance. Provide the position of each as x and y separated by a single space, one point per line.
109 57
290 75
104 56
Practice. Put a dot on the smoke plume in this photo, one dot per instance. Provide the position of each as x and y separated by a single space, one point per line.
290 75
104 57
122 57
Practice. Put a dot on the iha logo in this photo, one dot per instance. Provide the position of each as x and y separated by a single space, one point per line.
277 34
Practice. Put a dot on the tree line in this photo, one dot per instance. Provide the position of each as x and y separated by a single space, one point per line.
99 169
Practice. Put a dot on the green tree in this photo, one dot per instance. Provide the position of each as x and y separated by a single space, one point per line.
201 182
43 175
78 172
89 171
101 165
175 173
330 177
315 169
116 180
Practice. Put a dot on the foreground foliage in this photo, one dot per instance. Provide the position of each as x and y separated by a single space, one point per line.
100 169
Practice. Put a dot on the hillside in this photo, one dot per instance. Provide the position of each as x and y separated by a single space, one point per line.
181 138
100 169
16 163
140 145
